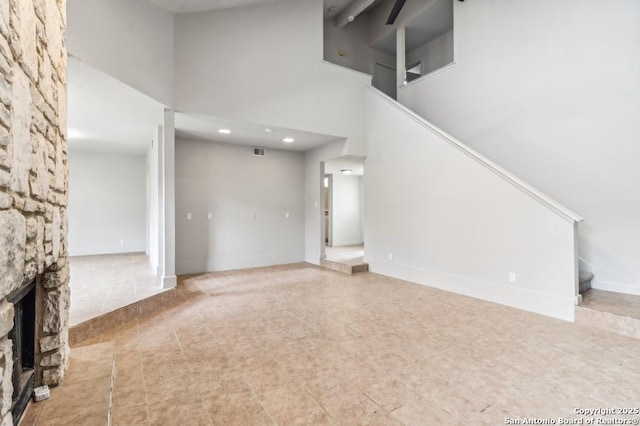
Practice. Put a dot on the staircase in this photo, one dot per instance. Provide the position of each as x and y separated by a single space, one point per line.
585 281
612 312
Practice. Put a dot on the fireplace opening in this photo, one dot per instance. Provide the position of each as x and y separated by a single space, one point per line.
23 338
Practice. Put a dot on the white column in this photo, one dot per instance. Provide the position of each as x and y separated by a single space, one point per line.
323 229
401 56
155 202
168 216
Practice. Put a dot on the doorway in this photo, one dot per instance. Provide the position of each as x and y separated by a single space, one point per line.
328 181
343 196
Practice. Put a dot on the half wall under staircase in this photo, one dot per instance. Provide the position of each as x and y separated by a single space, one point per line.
440 214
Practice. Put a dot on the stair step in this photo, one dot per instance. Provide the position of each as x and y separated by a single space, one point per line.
85 396
613 312
343 267
115 319
585 278
609 322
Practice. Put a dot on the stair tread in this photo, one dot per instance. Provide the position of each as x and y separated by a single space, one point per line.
627 305
347 268
607 321
585 276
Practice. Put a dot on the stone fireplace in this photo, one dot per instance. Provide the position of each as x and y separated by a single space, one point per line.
34 273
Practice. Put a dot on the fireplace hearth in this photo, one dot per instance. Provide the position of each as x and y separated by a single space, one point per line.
23 342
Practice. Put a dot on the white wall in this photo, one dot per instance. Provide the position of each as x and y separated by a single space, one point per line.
433 55
346 211
275 76
248 198
550 91
107 203
385 79
352 39
452 223
129 40
263 64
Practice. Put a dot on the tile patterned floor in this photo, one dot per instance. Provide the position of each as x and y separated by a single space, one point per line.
301 345
102 284
83 399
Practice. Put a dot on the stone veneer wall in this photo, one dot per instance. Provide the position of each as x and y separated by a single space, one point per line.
33 181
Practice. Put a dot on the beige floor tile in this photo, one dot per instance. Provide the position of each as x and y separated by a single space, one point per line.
296 344
130 415
102 284
291 404
32 413
422 412
129 391
236 407
490 416
179 413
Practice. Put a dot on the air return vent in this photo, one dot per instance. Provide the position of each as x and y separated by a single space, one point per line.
259 152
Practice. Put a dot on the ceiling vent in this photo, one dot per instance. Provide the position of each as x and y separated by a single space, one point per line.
259 152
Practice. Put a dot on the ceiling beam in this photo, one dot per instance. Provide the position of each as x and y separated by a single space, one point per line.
351 12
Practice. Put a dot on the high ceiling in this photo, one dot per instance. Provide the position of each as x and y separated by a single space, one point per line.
191 6
107 115
431 23
190 126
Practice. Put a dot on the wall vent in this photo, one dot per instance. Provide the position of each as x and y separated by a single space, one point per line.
259 152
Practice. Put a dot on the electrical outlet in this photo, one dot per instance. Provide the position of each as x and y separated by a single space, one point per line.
188 216
121 242
286 215
210 216
390 256
512 277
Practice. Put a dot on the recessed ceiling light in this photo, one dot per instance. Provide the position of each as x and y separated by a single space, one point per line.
288 140
346 171
224 131
268 130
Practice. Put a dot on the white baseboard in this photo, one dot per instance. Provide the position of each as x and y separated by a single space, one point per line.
615 287
517 297
169 282
239 262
